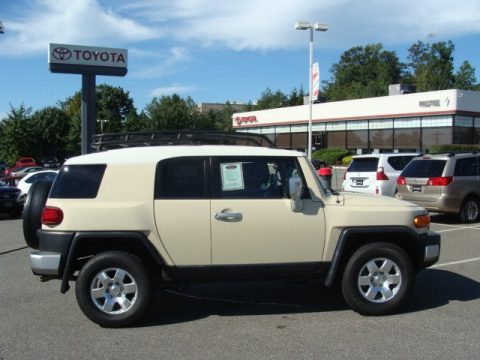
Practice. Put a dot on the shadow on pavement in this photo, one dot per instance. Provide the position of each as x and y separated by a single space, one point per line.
434 288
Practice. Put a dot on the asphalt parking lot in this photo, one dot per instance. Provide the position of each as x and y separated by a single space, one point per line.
249 320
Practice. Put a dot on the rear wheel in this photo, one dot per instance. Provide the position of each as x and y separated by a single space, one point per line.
378 279
470 210
113 289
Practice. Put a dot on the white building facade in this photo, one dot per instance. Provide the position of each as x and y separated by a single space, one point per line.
410 122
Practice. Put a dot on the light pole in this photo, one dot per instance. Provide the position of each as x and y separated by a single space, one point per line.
102 121
303 25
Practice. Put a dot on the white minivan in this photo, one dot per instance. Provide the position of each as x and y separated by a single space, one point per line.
376 173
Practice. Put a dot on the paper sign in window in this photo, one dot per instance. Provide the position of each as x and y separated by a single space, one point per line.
232 176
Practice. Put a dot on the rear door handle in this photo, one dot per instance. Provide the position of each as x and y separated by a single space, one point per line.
228 216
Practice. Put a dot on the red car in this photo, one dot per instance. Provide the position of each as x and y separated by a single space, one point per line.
21 163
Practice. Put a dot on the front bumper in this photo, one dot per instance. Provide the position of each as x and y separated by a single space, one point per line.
428 249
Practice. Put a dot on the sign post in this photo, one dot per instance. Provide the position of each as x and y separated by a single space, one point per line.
88 61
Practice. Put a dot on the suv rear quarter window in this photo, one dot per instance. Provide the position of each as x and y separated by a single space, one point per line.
78 182
368 164
466 167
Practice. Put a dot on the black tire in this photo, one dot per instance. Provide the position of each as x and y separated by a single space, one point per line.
124 298
384 286
32 212
470 210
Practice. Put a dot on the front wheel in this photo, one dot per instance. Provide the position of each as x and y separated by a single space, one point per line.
378 279
113 289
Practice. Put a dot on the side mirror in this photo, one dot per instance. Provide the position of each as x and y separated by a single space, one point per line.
295 188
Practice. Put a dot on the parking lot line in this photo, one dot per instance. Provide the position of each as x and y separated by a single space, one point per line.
459 228
455 262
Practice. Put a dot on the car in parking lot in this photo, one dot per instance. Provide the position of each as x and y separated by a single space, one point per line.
375 173
21 172
25 183
11 199
445 183
50 162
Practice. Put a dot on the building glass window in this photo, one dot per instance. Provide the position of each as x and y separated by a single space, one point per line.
381 139
476 131
283 140
436 136
318 127
357 139
464 121
380 124
299 128
336 126
436 121
406 123
336 139
357 125
299 140
407 139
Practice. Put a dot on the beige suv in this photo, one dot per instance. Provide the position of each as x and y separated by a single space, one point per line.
447 183
120 221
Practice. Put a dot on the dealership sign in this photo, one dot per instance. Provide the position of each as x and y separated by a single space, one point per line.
76 59
245 120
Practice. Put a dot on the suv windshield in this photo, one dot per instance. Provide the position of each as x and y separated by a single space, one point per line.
364 164
424 168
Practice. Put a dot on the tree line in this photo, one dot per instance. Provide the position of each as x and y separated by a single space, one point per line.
361 72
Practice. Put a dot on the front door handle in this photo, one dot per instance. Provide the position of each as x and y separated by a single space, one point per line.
228 216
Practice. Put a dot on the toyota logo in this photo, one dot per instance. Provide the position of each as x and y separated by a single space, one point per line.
61 53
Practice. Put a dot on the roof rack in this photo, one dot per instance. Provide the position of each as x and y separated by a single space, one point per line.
102 142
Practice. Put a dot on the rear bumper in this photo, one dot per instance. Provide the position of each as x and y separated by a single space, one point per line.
50 259
442 203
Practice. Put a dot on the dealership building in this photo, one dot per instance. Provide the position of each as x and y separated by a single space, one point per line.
404 122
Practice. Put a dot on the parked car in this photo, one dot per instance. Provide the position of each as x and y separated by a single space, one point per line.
11 199
21 172
50 162
447 183
216 212
25 183
21 163
376 173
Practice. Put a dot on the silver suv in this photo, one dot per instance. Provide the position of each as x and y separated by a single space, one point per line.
447 183
376 173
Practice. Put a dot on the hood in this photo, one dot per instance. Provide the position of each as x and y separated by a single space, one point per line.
359 199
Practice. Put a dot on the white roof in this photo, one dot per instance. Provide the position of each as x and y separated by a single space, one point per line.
153 154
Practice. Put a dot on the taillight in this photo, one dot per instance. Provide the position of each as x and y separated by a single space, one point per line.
52 215
401 181
381 174
440 181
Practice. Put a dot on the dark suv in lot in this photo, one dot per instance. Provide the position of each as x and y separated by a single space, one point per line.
11 200
446 183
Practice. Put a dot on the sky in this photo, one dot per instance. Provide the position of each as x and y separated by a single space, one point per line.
214 51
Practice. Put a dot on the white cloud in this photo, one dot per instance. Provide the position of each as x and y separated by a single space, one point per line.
65 21
259 25
167 63
173 89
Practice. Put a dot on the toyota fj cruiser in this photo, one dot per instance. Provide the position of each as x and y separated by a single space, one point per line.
210 212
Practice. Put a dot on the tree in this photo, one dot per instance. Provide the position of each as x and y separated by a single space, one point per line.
16 134
114 105
465 77
432 65
270 100
296 97
172 112
50 128
363 71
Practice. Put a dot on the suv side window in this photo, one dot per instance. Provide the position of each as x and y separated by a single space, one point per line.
466 167
181 178
78 182
252 177
396 162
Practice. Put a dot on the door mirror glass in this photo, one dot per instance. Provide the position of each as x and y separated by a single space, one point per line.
295 187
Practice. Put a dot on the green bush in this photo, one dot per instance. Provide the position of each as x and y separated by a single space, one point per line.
331 156
453 148
347 160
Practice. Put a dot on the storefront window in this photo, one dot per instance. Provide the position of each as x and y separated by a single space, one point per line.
381 139
283 141
476 130
336 139
299 140
436 136
357 139
407 139
463 131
